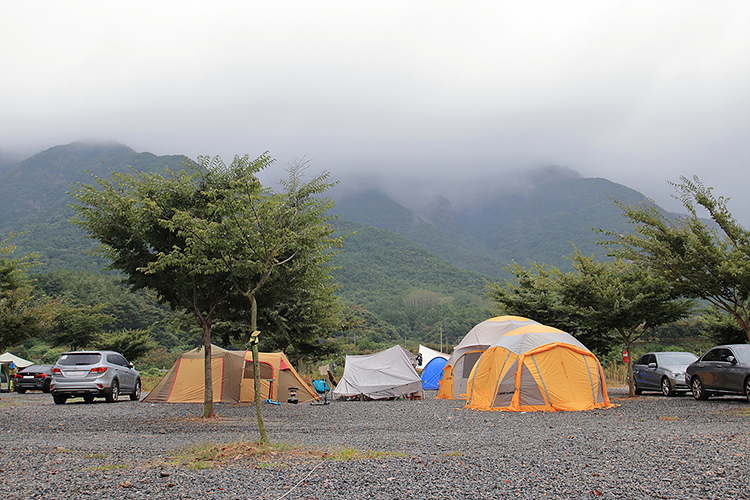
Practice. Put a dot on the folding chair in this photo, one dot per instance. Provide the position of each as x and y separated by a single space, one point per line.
322 389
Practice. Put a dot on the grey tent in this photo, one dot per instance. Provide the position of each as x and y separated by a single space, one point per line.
384 374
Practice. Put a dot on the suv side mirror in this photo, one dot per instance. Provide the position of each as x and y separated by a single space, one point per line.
652 365
732 360
130 365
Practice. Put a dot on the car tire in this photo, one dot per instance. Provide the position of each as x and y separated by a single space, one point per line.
666 387
59 400
699 392
136 394
114 392
46 389
20 391
638 390
89 398
747 389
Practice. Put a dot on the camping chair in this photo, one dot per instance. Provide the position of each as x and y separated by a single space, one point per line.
322 389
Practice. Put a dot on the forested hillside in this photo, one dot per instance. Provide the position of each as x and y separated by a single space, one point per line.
33 198
411 289
556 210
412 276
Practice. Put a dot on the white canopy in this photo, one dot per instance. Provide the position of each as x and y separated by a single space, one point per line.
428 354
381 375
20 362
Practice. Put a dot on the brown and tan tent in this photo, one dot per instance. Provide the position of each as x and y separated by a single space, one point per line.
232 378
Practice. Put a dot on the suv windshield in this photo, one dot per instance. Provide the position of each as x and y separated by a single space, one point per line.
79 358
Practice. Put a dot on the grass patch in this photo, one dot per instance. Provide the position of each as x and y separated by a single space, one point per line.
95 455
109 467
453 454
206 455
148 383
276 456
271 465
345 453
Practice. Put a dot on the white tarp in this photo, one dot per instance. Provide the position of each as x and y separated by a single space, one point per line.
19 362
428 355
381 375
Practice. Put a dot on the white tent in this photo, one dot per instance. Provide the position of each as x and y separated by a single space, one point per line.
19 362
470 349
381 375
428 355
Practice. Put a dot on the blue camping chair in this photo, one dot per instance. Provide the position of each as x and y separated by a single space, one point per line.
322 389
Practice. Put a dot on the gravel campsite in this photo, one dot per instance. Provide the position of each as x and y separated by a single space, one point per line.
647 447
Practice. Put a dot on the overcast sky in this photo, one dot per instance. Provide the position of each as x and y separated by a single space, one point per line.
461 92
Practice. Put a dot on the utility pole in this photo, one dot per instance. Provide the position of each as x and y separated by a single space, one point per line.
441 337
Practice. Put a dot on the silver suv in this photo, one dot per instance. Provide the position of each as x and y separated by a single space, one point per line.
93 374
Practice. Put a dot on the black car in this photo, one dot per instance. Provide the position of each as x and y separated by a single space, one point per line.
33 378
725 369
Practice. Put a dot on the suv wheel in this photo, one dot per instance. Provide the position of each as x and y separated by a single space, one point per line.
747 389
59 400
114 392
136 394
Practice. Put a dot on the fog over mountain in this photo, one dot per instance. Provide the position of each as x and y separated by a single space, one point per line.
453 98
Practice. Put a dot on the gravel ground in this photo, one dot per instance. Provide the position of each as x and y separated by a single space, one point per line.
647 447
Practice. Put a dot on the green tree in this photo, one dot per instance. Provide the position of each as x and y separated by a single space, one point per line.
255 232
79 326
698 259
21 314
602 303
133 344
533 293
720 327
131 215
619 297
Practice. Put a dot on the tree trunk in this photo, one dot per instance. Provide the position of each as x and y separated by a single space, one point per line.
208 393
256 371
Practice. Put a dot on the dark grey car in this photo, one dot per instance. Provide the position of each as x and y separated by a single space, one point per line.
33 378
663 372
725 369
91 374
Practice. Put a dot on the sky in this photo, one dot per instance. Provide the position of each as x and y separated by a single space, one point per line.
452 97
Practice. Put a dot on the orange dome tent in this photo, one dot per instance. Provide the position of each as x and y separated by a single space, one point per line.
537 368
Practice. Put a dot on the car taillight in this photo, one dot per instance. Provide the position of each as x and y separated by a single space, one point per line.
17 375
57 370
99 369
40 375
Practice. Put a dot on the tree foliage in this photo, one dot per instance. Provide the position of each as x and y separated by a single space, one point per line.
698 259
602 303
132 216
22 315
253 232
79 326
132 344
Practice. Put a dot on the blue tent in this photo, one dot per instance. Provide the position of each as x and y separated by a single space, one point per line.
432 373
